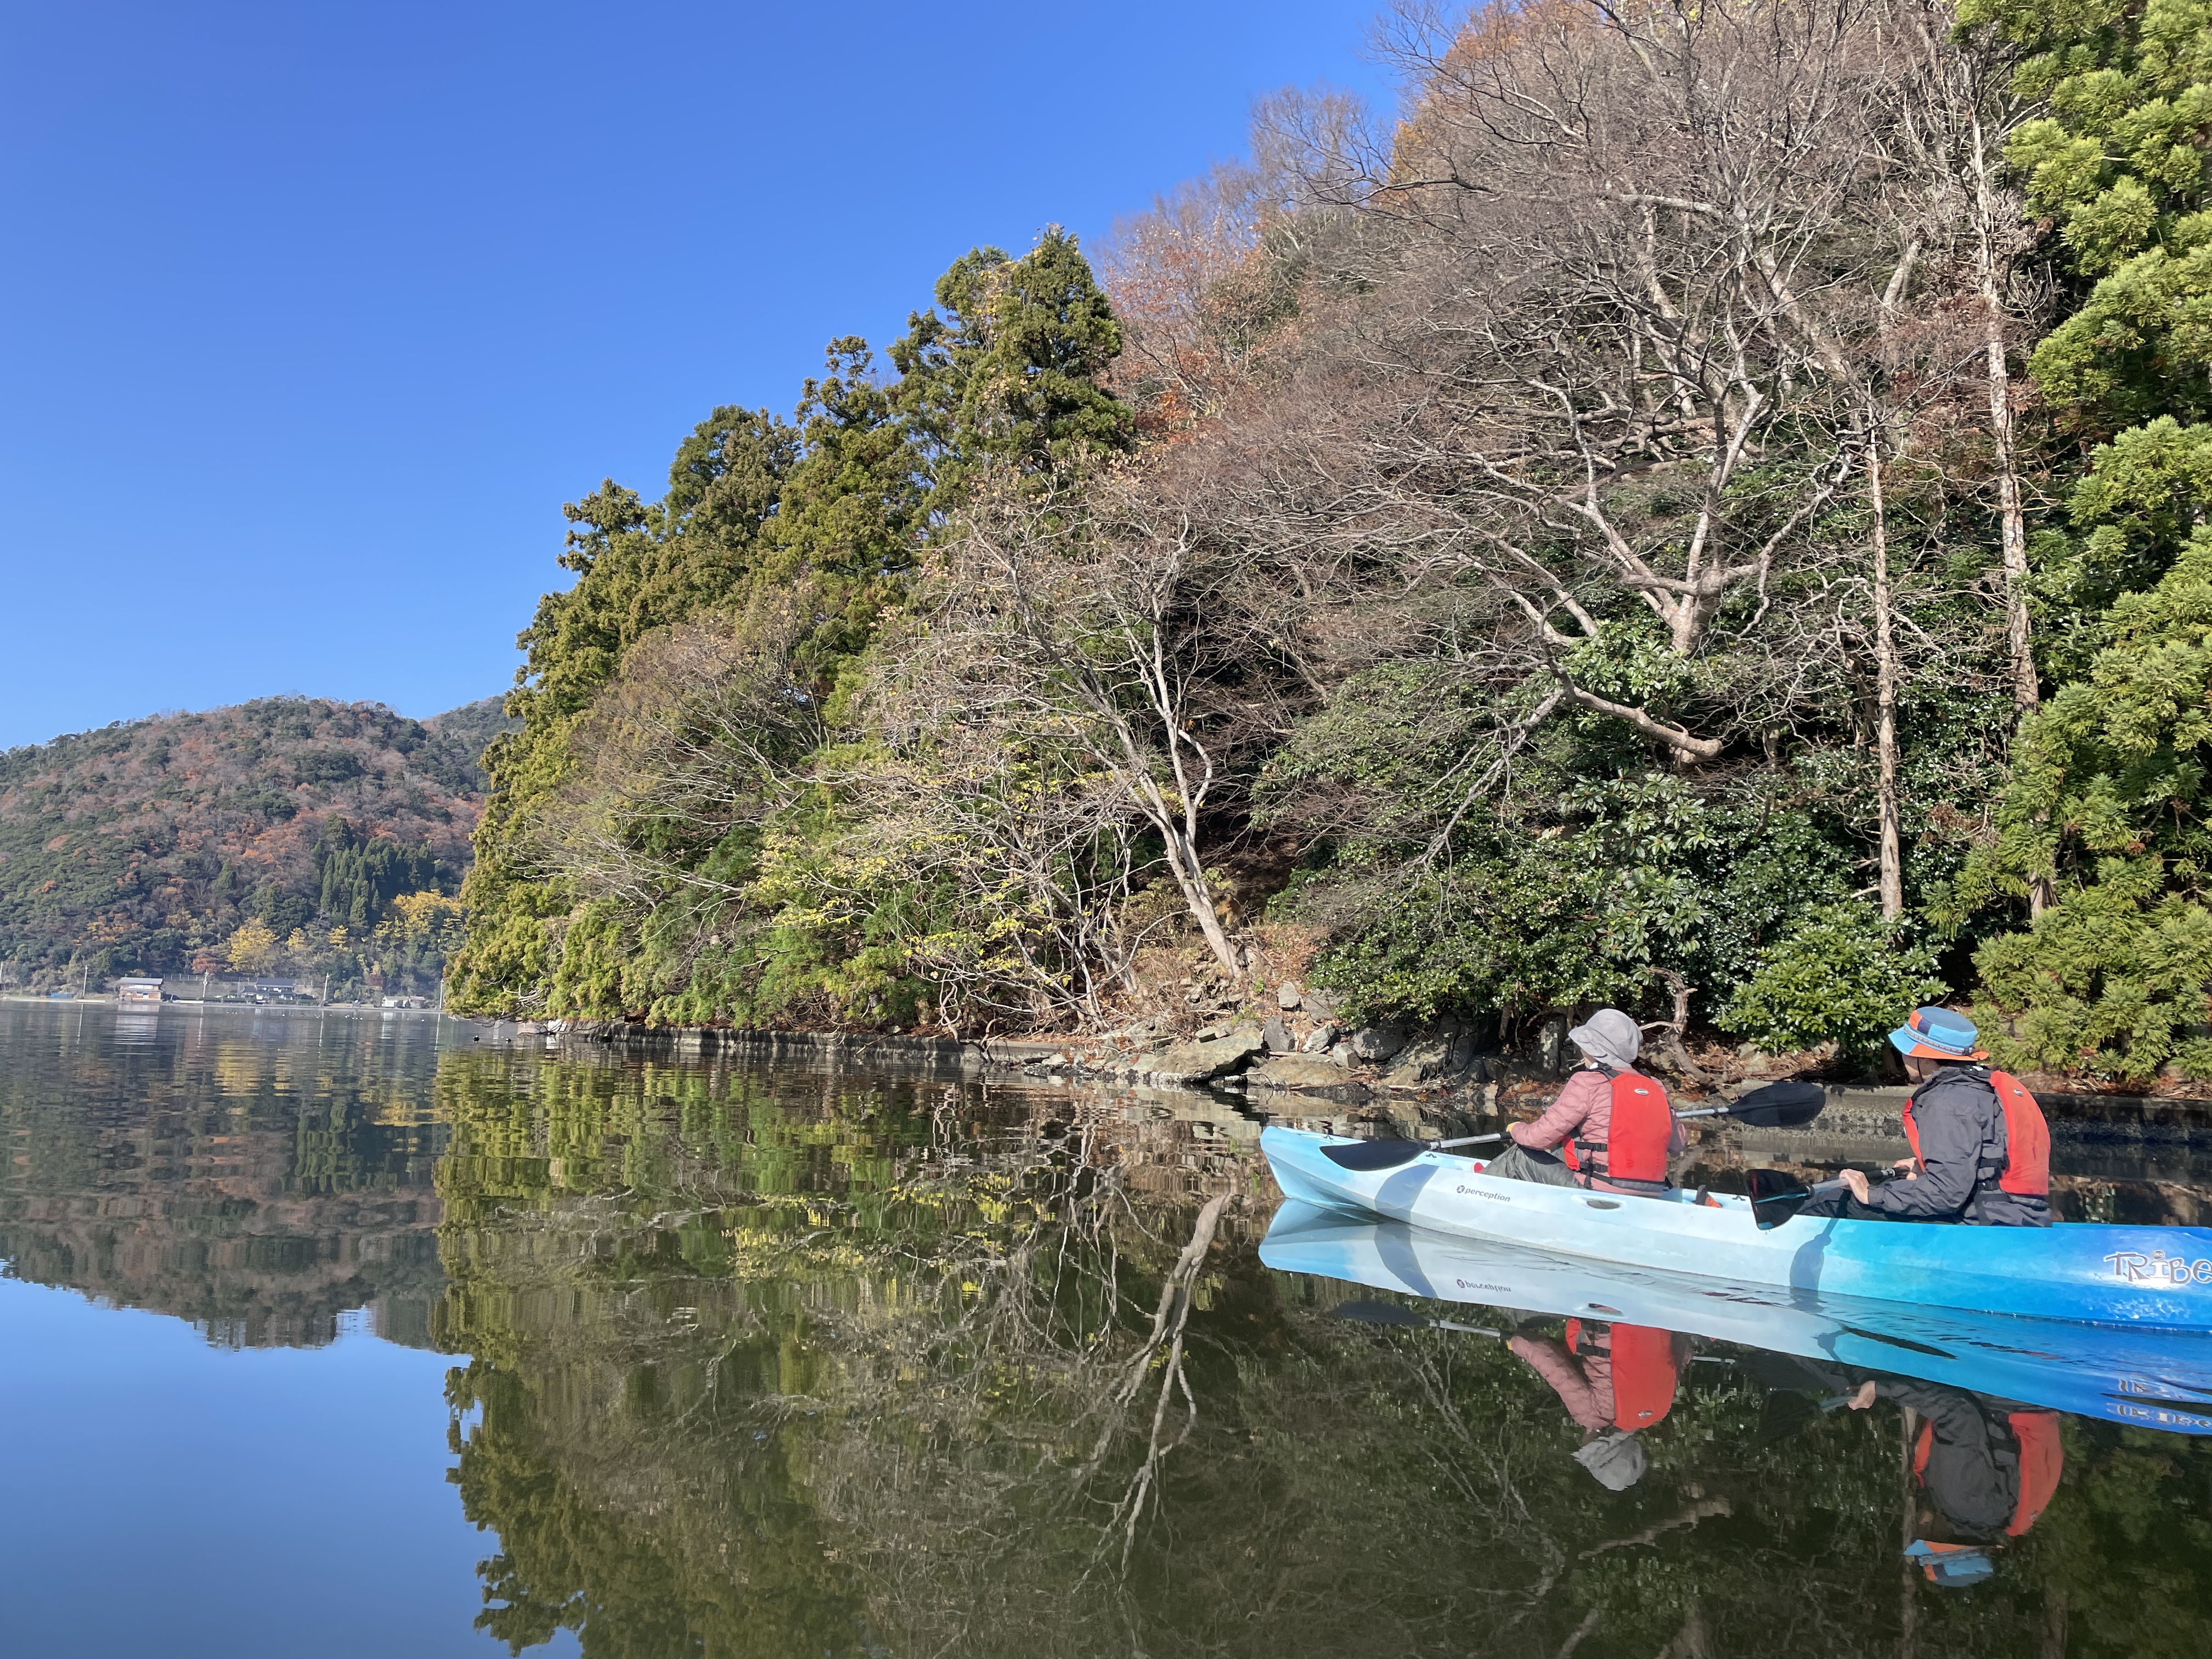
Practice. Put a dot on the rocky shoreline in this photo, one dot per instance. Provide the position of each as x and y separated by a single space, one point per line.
1302 1062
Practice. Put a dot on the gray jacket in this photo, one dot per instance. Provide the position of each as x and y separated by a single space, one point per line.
1962 1152
1971 1469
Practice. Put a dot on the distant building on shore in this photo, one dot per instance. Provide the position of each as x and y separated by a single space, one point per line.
137 992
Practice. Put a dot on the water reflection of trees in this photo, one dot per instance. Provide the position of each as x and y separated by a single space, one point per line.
823 1367
257 1178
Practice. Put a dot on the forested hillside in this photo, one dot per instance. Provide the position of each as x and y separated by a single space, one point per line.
1704 510
289 834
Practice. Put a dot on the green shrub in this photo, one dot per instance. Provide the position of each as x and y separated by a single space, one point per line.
1624 883
1842 976
2109 980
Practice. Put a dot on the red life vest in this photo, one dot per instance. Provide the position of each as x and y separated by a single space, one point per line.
1635 1146
1644 1374
2041 1464
2026 1168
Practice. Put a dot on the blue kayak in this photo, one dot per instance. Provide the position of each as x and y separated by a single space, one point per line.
2146 1377
2153 1277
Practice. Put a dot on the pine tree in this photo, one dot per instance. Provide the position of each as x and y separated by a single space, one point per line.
831 511
2099 812
2106 801
1010 371
2118 169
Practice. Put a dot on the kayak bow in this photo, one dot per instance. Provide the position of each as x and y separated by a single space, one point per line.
2138 1276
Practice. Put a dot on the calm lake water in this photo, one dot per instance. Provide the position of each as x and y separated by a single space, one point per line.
338 1336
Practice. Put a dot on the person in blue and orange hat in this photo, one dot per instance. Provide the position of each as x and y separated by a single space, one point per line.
1983 1469
1981 1150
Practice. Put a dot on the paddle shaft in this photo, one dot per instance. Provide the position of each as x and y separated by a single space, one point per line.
1761 1107
1484 1141
1384 1313
1470 1330
1835 1186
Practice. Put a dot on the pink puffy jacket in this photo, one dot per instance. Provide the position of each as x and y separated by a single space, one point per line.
1583 1110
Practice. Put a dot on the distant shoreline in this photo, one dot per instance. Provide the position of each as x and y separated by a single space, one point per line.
106 1000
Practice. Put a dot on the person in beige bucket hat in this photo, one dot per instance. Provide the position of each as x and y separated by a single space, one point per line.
1612 1127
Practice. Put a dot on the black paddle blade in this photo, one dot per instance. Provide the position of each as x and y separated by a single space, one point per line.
1377 1313
1775 1197
1371 1155
1782 1415
1780 1105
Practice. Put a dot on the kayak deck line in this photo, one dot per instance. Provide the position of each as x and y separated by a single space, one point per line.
2080 1272
2140 1376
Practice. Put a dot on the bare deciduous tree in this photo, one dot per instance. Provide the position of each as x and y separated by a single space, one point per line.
701 733
1609 265
1101 622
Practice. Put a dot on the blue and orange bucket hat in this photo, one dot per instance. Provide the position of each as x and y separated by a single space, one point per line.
1937 1034
1952 1566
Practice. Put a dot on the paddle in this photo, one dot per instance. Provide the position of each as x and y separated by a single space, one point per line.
1775 1106
1775 1196
1388 1313
1385 1313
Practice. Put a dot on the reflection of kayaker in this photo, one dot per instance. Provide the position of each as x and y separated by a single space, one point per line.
1986 1469
1614 1380
1983 1469
1981 1150
1611 1128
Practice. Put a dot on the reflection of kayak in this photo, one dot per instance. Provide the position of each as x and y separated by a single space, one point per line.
2157 1276
2154 1378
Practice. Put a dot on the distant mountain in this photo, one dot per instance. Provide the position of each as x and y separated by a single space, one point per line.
147 845
468 731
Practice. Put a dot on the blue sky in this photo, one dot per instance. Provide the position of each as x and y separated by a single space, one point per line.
318 311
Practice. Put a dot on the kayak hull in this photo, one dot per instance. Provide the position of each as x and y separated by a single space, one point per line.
2152 1277
2143 1376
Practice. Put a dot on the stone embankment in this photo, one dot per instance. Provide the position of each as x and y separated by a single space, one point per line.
1300 1049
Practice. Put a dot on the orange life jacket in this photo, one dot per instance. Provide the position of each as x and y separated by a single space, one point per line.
2041 1464
2026 1168
1643 1370
1635 1145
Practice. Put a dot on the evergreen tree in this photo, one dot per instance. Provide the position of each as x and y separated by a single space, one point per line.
2106 802
639 567
829 513
1011 369
2100 813
2119 167
852 513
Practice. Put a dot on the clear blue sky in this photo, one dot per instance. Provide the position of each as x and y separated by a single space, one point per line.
316 312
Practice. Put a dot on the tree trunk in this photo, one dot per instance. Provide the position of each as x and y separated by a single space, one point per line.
1197 893
2011 524
1908 1605
1885 696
